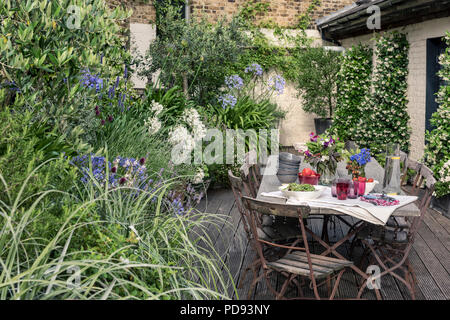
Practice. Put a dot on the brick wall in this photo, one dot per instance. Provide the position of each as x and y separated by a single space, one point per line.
282 12
417 36
143 11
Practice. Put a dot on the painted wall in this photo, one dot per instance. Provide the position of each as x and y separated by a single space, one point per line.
417 36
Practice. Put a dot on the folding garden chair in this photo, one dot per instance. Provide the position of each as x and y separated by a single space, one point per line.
269 229
298 263
389 246
251 173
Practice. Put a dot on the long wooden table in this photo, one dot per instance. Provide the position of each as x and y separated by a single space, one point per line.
271 183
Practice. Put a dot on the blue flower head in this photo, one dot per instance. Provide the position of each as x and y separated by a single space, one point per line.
254 68
234 82
228 100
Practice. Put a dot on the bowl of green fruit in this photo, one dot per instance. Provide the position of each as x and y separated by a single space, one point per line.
301 191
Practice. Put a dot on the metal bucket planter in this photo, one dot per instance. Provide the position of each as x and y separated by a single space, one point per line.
322 124
442 204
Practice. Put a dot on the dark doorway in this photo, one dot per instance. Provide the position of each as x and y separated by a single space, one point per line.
435 47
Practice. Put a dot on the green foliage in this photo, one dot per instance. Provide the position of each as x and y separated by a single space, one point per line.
247 114
437 150
197 51
384 112
43 53
318 74
353 84
133 253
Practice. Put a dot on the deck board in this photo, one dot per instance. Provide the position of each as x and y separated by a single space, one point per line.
430 256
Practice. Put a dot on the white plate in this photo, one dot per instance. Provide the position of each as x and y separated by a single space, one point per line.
302 195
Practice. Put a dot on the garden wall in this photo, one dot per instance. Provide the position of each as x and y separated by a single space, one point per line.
297 125
281 12
417 35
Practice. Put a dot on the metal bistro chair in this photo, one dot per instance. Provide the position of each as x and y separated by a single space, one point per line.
389 246
268 229
251 173
299 261
396 225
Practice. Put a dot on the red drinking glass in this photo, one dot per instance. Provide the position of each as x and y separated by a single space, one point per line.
360 187
342 189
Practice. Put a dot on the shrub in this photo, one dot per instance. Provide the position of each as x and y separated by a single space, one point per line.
353 84
384 112
197 51
317 78
437 150
43 52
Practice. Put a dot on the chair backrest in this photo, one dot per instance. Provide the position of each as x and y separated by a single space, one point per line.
237 186
251 173
425 174
414 166
255 207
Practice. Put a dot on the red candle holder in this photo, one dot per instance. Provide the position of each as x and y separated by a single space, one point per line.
360 187
312 180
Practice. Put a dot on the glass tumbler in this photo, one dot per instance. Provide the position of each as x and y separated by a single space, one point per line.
342 189
333 188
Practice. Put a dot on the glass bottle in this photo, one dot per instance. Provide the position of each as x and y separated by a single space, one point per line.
392 171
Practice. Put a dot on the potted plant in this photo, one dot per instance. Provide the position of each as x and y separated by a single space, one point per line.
356 167
324 153
317 77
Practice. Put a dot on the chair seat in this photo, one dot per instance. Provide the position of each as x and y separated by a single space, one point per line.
297 263
398 223
278 230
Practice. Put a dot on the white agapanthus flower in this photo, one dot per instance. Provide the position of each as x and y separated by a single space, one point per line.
156 107
192 118
180 135
153 124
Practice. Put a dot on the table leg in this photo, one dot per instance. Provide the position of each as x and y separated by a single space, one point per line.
332 250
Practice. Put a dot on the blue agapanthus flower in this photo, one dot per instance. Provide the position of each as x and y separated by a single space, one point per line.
277 84
234 82
362 158
254 68
228 100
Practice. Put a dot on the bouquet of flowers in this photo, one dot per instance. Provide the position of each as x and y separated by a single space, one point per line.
323 153
357 162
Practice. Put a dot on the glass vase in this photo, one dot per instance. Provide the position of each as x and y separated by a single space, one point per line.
327 176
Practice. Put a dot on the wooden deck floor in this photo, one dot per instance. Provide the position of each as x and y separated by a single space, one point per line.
430 256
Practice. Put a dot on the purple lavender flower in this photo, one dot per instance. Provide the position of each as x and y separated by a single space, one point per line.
228 100
254 68
234 82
